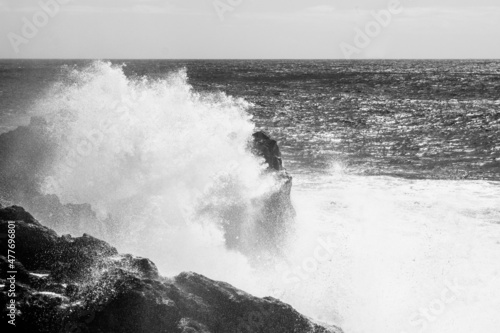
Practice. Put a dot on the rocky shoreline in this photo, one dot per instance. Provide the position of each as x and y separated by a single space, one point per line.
67 284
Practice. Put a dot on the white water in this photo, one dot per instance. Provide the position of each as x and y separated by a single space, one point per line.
152 153
398 244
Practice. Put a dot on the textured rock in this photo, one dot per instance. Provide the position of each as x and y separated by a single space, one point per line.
268 148
88 287
276 211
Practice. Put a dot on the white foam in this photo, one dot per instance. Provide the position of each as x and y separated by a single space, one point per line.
39 275
397 247
152 153
52 295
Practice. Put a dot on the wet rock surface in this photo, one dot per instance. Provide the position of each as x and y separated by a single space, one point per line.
82 284
268 148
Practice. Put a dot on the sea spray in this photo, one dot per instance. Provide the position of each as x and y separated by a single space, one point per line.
405 255
152 154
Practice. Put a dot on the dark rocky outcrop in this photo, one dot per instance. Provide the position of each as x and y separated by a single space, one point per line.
256 226
67 284
276 212
268 148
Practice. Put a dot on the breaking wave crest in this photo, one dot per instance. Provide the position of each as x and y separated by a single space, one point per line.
150 156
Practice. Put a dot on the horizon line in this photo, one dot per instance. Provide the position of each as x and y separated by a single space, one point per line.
248 59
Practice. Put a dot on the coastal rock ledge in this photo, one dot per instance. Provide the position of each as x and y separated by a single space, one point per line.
66 284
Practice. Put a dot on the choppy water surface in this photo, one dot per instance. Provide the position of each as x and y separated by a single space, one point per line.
423 119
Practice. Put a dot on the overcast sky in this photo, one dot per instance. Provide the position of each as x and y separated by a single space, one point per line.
248 29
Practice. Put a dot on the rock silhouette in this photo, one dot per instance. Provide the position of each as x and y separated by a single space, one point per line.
67 284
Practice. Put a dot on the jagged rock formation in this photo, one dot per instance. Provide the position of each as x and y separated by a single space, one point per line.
268 148
257 226
66 284
277 211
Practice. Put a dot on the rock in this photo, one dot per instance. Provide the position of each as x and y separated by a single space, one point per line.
68 218
268 148
145 267
276 212
92 288
16 213
223 308
39 248
22 273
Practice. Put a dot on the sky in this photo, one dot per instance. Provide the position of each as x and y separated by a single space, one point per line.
250 29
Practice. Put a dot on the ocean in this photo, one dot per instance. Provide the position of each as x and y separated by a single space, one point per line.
395 166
